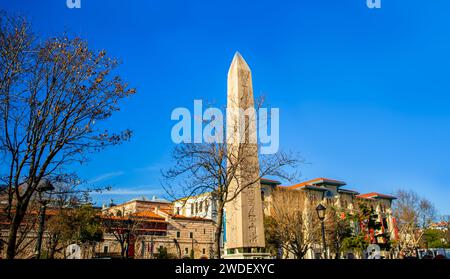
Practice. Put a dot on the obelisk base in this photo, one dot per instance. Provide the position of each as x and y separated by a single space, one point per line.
246 254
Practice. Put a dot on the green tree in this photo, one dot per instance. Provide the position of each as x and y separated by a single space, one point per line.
162 253
338 228
434 238
357 243
79 225
366 219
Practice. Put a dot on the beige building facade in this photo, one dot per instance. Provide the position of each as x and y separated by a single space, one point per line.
184 236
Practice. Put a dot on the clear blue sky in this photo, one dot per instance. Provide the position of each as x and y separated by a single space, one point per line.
363 94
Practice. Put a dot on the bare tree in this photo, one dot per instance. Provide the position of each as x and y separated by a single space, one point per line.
225 168
26 236
414 214
52 94
292 223
203 168
125 229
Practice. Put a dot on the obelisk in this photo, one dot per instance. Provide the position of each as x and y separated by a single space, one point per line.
244 214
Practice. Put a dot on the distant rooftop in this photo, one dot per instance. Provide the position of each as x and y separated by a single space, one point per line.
348 191
153 199
319 181
375 195
270 181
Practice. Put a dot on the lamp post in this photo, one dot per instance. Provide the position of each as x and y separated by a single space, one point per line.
192 248
43 186
129 223
321 214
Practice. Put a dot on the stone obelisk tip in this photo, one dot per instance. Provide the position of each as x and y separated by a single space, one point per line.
239 62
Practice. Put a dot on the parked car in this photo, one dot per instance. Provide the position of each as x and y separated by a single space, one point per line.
434 253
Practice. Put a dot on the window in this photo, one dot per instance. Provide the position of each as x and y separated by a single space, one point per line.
186 251
201 206
105 249
262 195
178 234
204 251
385 224
204 231
178 211
119 213
206 206
192 209
191 235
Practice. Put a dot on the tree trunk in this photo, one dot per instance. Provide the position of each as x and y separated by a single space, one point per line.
12 235
53 245
218 231
94 245
123 250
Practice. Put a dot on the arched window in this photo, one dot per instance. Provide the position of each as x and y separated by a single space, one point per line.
119 213
262 195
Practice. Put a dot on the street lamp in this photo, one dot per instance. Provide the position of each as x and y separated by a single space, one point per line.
43 186
128 223
320 209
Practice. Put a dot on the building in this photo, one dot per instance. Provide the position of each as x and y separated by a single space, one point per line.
203 206
185 227
155 232
329 192
332 193
181 236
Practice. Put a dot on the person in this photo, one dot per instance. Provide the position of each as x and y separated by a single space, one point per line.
350 256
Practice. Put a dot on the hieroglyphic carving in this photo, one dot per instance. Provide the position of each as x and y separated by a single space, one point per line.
252 234
244 214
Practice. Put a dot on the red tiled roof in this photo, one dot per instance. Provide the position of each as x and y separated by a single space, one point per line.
148 214
177 216
440 224
376 195
165 210
315 180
